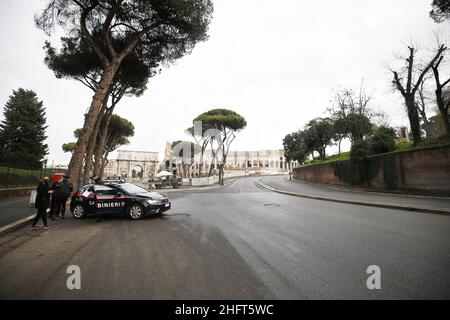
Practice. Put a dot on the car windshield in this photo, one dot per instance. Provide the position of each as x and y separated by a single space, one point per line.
132 188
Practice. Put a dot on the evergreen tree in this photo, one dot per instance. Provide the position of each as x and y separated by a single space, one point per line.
22 131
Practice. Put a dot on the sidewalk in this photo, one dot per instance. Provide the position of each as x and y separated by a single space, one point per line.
331 193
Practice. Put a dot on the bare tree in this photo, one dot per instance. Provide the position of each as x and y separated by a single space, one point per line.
442 101
409 88
422 105
351 113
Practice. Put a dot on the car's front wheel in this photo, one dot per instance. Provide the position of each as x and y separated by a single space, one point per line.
136 212
78 212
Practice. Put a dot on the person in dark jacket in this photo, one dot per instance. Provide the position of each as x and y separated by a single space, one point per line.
42 202
63 190
53 201
97 180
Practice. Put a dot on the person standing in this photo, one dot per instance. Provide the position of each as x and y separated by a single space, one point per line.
42 203
97 180
63 190
53 201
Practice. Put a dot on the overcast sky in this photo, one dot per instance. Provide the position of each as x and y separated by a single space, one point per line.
274 62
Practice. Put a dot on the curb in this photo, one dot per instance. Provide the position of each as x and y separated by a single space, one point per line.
368 191
359 203
215 186
15 225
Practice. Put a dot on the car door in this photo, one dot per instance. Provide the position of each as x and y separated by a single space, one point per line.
88 199
108 200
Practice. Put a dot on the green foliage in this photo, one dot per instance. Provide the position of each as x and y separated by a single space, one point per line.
119 130
77 133
404 145
358 168
431 142
360 151
226 123
182 145
222 119
347 171
440 11
76 60
69 147
362 167
435 141
294 147
389 167
351 114
357 126
319 135
338 157
382 141
166 28
13 177
22 131
16 178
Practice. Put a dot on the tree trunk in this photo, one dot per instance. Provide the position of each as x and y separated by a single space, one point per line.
100 149
340 141
221 174
104 164
212 165
200 165
89 162
76 162
443 110
414 121
444 116
290 170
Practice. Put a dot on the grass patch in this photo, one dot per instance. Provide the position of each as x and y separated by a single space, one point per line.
338 157
432 142
15 177
404 145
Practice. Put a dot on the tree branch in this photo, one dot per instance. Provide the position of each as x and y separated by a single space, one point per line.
87 34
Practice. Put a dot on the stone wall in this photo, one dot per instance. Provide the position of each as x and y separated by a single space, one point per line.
15 192
422 170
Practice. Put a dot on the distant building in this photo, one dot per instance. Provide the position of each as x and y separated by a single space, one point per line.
264 161
436 125
133 165
403 134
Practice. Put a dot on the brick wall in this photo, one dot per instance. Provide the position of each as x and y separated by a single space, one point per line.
415 170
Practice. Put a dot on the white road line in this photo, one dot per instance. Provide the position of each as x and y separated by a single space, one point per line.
242 186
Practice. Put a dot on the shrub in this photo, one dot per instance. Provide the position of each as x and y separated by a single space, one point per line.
382 141
360 151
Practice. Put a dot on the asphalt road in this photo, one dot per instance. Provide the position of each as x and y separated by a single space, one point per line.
14 209
238 242
321 190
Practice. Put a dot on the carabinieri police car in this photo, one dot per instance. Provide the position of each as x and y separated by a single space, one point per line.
117 199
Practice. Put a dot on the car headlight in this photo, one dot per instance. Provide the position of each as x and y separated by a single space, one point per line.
153 202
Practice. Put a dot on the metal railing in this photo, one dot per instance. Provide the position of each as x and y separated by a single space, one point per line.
17 177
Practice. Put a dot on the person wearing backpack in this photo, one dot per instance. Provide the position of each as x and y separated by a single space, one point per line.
62 193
